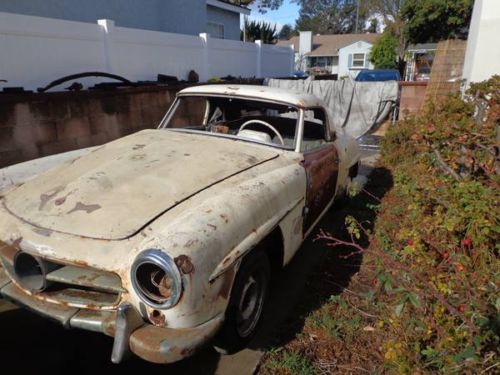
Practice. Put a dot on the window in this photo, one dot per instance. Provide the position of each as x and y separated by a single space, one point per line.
224 117
358 60
215 30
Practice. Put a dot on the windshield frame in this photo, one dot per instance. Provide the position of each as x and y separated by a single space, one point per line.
299 127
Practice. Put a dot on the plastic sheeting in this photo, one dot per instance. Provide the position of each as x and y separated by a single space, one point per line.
357 108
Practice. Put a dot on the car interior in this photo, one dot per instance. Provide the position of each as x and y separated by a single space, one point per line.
251 120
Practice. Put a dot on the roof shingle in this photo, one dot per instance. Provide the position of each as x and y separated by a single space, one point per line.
329 45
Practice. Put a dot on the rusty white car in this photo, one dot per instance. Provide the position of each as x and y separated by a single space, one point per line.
167 239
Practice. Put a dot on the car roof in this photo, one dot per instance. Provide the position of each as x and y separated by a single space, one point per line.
273 94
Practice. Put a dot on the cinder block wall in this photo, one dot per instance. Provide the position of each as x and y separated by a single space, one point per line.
412 97
36 125
446 73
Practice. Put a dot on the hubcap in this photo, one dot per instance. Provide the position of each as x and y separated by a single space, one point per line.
250 303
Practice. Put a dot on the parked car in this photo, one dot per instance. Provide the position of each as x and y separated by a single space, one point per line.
375 75
167 239
423 74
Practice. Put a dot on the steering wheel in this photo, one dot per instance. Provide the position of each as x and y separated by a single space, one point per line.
280 138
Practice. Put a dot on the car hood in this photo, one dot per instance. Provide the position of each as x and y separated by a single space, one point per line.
114 191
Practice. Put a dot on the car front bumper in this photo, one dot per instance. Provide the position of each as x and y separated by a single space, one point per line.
131 333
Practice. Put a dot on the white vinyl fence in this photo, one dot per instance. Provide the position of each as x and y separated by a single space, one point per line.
35 51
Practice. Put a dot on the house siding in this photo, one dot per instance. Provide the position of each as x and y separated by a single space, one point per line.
345 57
230 20
176 16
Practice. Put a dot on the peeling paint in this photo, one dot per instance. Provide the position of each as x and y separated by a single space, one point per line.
88 208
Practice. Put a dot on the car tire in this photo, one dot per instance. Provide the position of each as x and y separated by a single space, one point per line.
246 303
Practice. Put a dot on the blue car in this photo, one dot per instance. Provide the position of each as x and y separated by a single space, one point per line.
376 75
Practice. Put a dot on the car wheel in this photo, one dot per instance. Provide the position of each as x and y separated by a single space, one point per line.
246 304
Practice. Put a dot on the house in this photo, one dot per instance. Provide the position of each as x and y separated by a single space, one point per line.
482 58
220 19
341 54
419 57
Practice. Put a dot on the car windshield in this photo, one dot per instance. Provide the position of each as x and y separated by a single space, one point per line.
250 120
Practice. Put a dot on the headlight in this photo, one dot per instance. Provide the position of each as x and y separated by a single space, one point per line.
156 279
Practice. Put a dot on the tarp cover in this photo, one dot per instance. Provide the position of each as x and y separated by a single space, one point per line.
355 107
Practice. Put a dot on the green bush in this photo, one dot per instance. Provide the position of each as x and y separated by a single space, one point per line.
437 234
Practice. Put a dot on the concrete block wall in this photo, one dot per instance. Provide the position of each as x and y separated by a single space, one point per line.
412 97
446 73
32 126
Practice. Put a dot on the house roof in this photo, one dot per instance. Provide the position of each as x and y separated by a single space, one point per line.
422 46
232 6
328 45
273 94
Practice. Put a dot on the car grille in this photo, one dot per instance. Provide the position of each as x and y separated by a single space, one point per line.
69 285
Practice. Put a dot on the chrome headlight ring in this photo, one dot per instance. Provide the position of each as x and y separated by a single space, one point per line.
156 279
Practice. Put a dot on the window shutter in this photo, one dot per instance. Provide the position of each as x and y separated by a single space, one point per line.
349 63
367 60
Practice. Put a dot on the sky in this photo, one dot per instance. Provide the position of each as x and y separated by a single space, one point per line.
287 13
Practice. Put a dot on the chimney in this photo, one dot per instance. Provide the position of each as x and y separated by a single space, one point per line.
305 42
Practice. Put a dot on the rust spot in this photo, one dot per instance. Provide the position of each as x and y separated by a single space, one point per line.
227 283
45 198
184 263
17 242
79 263
252 160
190 243
164 286
208 211
138 147
88 208
138 157
60 201
214 227
225 218
43 232
157 318
187 352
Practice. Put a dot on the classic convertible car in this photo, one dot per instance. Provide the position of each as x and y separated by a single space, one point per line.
167 239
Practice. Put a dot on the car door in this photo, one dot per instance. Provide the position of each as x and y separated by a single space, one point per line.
321 164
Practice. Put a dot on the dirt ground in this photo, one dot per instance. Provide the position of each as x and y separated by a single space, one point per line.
37 345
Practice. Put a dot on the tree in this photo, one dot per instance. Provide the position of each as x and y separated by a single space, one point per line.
286 32
331 16
435 20
262 5
373 28
390 12
384 52
259 31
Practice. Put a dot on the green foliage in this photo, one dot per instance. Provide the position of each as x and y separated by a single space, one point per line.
384 52
262 5
259 31
330 16
426 299
289 362
435 20
286 32
445 168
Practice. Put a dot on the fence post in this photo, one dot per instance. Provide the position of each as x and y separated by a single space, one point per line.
108 27
292 60
205 73
258 74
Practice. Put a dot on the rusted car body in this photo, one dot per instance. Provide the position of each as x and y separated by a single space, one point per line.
142 238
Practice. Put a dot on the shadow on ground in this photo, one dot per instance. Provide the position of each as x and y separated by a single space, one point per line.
35 345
